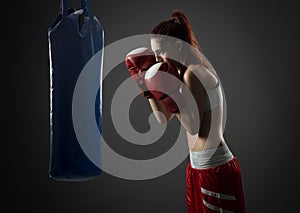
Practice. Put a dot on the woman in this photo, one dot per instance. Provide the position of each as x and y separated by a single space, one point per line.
213 179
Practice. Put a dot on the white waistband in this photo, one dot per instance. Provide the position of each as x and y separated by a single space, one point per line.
210 158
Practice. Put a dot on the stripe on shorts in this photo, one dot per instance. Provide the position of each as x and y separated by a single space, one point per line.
215 208
218 195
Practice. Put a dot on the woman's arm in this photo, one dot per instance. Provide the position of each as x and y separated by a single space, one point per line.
190 115
194 97
161 113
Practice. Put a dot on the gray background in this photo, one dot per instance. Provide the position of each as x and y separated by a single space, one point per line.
253 47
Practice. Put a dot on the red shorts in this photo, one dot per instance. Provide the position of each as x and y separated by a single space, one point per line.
216 189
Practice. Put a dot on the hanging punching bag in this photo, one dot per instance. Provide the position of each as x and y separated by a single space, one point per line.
75 38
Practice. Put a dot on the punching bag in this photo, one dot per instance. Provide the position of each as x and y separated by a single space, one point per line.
75 38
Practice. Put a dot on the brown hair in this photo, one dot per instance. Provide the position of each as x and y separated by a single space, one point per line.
179 27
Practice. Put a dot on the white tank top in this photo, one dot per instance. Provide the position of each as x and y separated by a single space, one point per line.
213 98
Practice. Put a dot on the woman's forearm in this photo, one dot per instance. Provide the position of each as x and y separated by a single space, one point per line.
189 120
161 113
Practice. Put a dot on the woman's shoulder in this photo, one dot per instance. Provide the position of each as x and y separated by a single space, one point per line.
202 73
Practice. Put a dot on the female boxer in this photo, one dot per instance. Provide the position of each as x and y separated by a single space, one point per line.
213 178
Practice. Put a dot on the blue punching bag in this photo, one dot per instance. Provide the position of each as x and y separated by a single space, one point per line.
75 38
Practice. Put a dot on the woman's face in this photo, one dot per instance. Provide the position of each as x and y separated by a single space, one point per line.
164 51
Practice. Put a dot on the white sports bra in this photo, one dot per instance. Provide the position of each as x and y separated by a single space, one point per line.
213 98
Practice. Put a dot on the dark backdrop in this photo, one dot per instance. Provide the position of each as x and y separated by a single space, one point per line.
254 47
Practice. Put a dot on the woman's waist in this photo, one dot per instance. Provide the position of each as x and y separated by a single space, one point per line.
210 157
199 143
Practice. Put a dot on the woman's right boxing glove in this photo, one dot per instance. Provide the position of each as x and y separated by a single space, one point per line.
138 61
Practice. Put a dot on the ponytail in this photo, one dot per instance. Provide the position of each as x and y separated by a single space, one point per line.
186 27
179 27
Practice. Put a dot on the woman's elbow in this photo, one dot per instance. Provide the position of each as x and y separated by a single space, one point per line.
193 130
192 127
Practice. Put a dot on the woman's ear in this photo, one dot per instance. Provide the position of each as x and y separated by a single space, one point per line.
178 45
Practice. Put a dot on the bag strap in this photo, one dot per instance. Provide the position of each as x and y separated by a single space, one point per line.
84 3
89 8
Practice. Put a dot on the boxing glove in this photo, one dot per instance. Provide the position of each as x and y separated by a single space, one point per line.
138 61
162 79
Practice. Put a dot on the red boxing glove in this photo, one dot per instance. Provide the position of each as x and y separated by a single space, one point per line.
138 61
162 79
